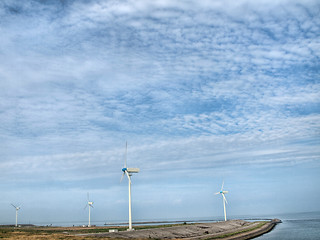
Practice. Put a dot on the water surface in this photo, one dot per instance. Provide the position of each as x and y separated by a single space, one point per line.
296 226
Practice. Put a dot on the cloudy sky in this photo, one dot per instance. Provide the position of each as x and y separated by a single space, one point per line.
203 91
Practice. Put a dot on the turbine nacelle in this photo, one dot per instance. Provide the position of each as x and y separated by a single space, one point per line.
17 208
130 170
221 192
89 203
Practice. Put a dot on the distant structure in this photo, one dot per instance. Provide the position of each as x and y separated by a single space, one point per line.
128 172
224 200
89 205
17 209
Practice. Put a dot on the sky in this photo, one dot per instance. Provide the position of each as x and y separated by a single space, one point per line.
202 91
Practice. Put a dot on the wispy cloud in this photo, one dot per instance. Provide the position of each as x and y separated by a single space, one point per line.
192 86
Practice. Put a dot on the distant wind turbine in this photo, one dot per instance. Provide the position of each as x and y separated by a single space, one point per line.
128 172
89 205
17 209
224 200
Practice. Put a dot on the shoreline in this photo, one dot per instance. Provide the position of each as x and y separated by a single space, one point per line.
250 234
229 230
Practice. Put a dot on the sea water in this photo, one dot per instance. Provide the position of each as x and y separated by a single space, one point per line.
297 226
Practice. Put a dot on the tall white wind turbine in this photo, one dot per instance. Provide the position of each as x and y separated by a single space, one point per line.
224 200
128 171
17 209
89 205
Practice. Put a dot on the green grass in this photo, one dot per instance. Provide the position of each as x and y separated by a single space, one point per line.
159 226
242 231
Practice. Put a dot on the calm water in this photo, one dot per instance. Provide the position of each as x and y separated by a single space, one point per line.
296 226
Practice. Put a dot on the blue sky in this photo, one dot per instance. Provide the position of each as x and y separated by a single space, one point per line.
202 91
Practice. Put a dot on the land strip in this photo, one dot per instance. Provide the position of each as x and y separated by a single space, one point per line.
233 229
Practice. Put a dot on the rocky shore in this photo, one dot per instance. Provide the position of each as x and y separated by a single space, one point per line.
233 229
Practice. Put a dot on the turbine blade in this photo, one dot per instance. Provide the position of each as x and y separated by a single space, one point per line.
88 196
85 207
225 198
128 177
125 160
222 185
122 177
217 193
13 205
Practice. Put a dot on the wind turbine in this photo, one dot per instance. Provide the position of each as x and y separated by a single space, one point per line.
17 209
224 200
89 205
128 171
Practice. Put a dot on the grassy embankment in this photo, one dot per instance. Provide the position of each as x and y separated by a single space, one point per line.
239 232
62 232
69 232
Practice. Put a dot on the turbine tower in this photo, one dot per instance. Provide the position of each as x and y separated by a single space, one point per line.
224 200
89 205
17 209
128 171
